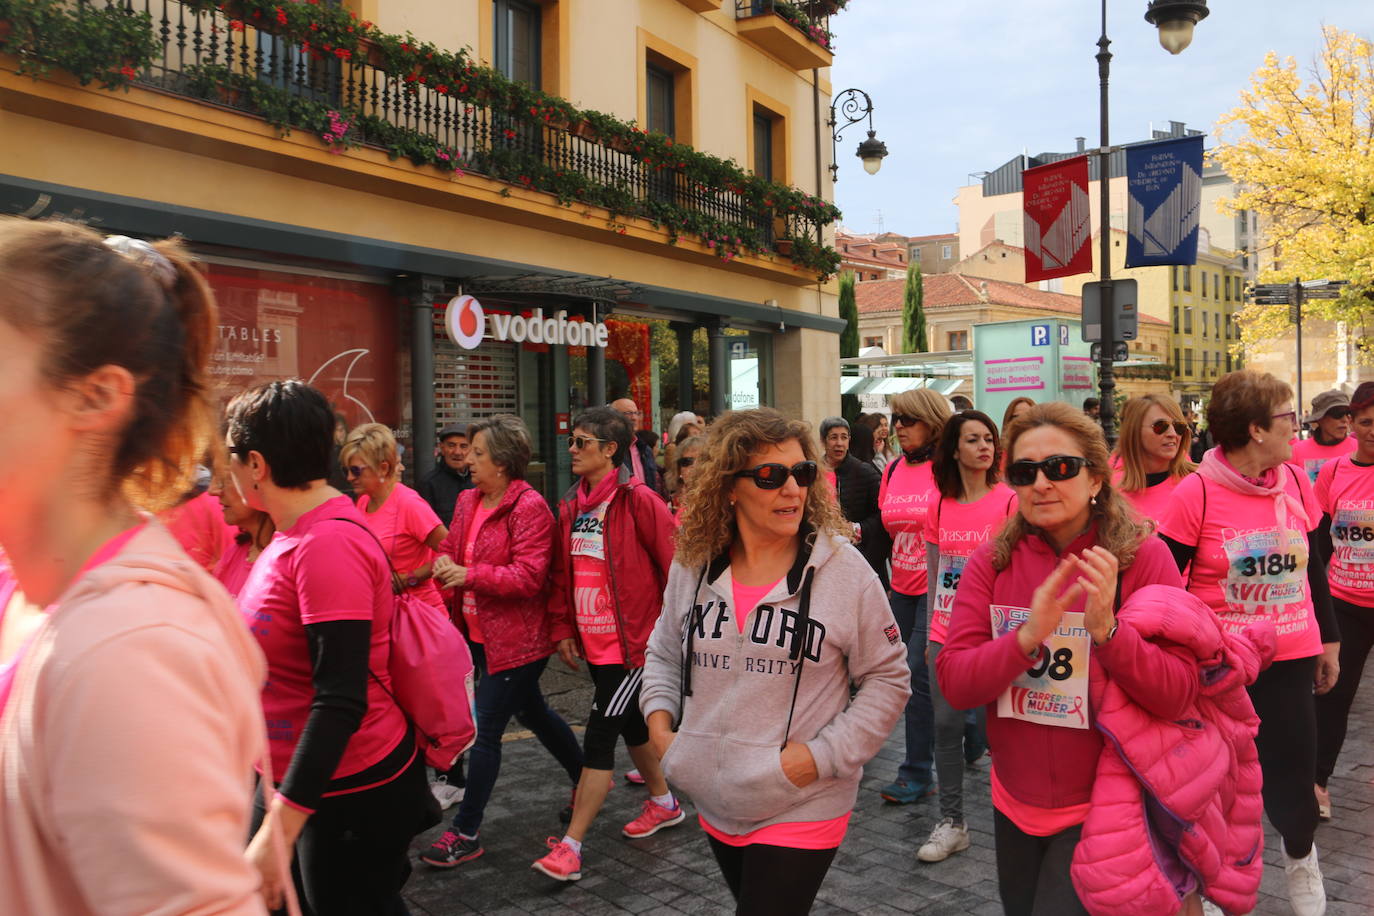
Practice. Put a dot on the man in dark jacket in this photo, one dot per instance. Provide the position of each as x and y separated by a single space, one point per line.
441 486
856 484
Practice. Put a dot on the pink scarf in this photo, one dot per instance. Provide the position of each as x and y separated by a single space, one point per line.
589 498
1216 468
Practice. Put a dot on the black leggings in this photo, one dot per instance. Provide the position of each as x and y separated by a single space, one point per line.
1033 871
1287 746
1356 625
772 880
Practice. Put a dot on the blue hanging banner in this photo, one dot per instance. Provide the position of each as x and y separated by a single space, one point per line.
1164 202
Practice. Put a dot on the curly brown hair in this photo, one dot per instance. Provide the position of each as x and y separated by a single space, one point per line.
708 520
1117 529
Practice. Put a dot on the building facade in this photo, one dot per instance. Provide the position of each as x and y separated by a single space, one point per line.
869 257
557 173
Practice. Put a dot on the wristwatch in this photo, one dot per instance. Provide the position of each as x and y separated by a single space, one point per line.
1110 634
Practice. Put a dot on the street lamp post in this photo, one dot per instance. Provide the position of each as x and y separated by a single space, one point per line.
1175 20
854 106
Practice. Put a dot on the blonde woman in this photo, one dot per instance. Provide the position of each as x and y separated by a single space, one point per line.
904 498
1153 453
679 473
406 525
770 616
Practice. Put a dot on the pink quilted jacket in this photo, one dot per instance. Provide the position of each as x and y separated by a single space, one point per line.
1176 805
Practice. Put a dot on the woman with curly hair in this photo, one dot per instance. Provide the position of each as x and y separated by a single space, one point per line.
770 617
1034 615
1153 453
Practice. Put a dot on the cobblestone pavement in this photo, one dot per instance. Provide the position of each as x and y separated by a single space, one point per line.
875 871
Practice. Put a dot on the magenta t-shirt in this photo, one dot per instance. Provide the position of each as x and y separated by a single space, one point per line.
1345 491
1311 456
957 529
904 498
234 566
747 597
1152 502
199 527
402 524
1247 565
479 518
320 570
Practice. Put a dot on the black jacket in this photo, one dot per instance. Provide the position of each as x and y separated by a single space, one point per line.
440 488
858 483
652 477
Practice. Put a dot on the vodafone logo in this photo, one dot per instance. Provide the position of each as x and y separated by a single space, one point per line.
467 323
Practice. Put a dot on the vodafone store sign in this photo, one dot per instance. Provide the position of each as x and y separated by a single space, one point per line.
469 325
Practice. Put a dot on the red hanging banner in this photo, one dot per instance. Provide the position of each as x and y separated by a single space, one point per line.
1058 217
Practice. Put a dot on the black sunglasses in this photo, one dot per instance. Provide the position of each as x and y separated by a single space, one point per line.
901 419
354 470
773 476
1337 413
686 462
1056 468
1160 427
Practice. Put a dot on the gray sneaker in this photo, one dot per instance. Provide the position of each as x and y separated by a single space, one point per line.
945 840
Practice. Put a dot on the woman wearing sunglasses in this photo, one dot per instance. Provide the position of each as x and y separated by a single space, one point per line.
1153 452
904 497
611 555
1034 616
497 556
255 530
1330 422
683 467
971 507
406 525
1244 526
770 618
1345 491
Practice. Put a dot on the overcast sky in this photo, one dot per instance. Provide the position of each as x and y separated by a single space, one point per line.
961 87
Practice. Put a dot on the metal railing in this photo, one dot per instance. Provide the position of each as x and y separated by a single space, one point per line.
810 17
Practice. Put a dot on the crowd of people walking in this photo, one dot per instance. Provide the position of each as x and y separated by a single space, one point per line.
1158 647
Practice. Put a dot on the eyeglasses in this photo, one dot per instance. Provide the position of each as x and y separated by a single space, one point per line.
1337 413
686 462
1056 468
580 442
1290 415
1160 427
773 476
901 419
354 470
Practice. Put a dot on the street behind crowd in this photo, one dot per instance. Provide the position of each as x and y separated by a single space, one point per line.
874 874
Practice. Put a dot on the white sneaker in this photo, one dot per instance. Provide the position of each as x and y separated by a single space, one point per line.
1210 909
1306 893
446 795
945 840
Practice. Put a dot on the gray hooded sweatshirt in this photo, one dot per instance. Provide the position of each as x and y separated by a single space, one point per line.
732 703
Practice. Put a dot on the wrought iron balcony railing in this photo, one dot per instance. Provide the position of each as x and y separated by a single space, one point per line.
810 17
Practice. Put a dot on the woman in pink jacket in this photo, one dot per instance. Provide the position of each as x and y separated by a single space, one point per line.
1033 624
129 719
497 557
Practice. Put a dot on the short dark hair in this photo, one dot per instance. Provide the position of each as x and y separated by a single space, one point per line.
608 425
1240 398
1090 403
945 460
290 424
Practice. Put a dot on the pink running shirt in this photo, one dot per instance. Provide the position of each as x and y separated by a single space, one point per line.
317 571
1345 491
957 529
796 835
402 524
592 602
479 518
747 597
233 567
1310 456
199 527
1152 502
1246 565
904 498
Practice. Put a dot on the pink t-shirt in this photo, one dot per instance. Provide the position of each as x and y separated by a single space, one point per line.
234 566
1345 491
592 601
402 524
834 481
747 597
1247 565
957 529
1152 502
199 527
904 498
1309 455
479 518
1032 819
317 571
799 835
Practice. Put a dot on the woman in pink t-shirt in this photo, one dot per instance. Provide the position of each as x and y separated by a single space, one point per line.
904 497
255 530
319 600
406 525
1330 422
1345 492
971 507
1242 527
1153 453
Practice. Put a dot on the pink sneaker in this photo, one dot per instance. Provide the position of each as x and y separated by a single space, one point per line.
634 778
561 864
654 818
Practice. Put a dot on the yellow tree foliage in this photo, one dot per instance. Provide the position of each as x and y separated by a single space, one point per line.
1303 160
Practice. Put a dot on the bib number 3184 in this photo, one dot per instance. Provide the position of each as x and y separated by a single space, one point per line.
1054 689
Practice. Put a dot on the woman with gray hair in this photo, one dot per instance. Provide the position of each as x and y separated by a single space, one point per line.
855 485
497 557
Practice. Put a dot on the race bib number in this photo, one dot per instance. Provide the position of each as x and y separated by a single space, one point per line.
1264 569
1352 534
1054 690
588 533
1313 467
946 581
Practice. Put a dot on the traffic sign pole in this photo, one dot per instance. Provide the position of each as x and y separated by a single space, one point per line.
1296 310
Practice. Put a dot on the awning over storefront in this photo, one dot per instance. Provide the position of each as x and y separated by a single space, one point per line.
867 384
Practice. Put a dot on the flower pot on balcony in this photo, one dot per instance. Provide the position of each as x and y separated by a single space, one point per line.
584 130
619 144
783 247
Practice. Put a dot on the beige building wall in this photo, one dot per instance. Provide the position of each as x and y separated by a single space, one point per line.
995 262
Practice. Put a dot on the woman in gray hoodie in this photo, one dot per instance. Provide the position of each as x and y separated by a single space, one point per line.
769 616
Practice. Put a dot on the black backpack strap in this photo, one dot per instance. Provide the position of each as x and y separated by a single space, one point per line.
892 468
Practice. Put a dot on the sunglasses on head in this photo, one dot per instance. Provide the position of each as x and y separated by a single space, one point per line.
580 442
1160 427
686 462
1056 468
1337 413
354 470
901 419
773 476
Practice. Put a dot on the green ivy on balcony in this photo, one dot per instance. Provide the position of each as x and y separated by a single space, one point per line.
347 82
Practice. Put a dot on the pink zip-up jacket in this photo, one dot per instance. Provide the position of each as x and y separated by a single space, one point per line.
1038 764
127 746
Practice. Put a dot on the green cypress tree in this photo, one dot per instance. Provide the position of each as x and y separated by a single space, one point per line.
849 339
913 313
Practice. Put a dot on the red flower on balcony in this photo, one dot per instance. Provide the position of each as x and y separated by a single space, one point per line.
128 72
441 88
342 53
236 25
509 134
